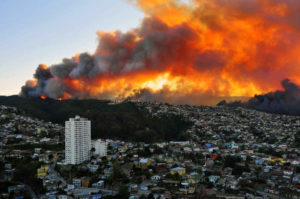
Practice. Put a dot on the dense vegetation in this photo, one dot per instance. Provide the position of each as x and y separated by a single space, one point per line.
124 120
25 173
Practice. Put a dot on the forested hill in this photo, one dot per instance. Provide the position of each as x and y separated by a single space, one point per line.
125 120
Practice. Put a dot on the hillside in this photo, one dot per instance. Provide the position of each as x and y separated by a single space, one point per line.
125 120
286 101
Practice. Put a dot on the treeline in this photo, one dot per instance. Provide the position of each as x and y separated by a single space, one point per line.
125 120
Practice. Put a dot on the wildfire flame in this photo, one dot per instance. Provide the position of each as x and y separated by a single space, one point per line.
192 53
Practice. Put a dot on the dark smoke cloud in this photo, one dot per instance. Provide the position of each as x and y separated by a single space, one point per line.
281 102
222 46
64 69
42 75
84 68
55 88
176 97
160 47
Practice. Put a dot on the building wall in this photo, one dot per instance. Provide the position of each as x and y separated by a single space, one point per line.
180 172
77 140
100 147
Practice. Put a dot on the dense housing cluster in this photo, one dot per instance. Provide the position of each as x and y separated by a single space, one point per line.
229 153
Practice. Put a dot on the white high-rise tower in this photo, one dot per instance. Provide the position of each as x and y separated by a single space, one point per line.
77 140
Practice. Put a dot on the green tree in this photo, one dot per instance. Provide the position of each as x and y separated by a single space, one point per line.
257 171
123 192
189 169
115 173
230 161
150 196
1 168
297 138
50 157
143 196
26 172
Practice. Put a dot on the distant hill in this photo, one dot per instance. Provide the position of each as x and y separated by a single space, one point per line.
124 120
285 101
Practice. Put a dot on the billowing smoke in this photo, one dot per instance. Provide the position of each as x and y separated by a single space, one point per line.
196 53
282 102
165 95
117 55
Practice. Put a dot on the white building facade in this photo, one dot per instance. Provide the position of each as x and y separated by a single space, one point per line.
100 147
77 140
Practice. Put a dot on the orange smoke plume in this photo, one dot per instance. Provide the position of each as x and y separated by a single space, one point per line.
196 52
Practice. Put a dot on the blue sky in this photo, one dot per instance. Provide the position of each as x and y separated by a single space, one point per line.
46 31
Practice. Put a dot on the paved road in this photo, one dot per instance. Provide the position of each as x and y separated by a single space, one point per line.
32 194
107 192
56 175
270 195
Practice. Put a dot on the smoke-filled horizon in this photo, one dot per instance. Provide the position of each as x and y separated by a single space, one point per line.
195 53
286 101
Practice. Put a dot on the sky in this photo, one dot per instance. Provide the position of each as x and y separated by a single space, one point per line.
39 31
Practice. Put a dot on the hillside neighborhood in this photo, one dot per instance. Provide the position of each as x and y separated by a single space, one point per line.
231 153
